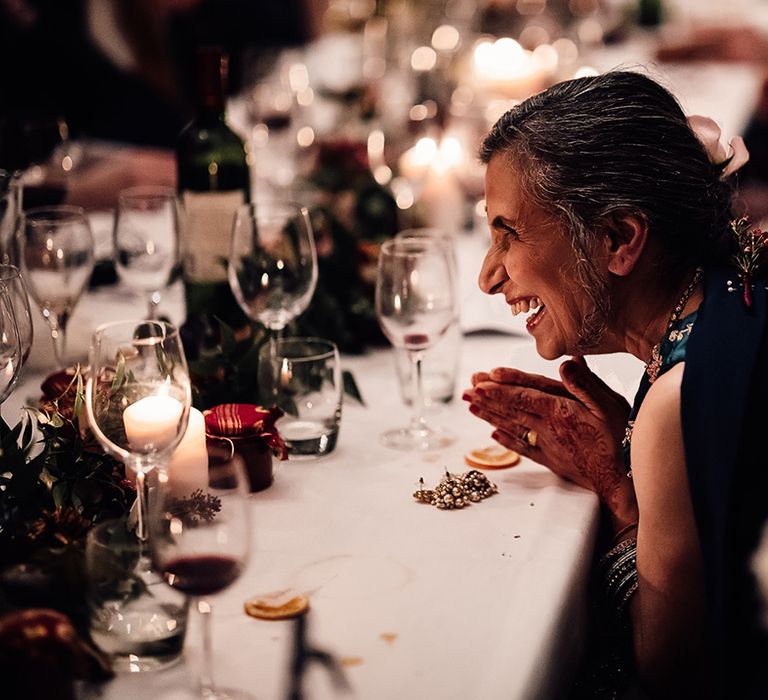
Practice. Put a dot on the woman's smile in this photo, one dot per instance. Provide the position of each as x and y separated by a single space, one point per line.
531 262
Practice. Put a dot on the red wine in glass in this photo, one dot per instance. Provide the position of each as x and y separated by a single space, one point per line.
201 574
202 546
416 341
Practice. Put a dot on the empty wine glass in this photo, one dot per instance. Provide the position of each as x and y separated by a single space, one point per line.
441 361
10 347
138 396
272 262
415 304
146 238
13 282
57 262
202 546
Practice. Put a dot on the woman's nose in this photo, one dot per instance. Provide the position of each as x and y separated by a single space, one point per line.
492 274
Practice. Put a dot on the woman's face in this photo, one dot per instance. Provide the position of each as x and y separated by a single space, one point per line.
532 263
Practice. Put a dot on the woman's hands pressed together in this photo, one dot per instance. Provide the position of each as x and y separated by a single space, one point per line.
579 425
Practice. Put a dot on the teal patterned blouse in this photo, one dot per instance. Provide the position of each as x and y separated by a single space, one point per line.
672 351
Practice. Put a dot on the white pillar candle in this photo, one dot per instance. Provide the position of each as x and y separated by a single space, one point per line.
152 423
442 201
188 466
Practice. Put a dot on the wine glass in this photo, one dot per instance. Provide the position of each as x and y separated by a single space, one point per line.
12 281
138 395
440 362
10 206
57 262
146 238
10 347
272 263
415 304
201 545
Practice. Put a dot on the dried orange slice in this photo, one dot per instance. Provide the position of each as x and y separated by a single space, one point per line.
492 457
275 607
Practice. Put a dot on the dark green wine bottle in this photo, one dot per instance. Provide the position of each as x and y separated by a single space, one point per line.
213 181
650 13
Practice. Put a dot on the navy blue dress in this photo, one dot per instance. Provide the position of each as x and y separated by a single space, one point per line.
724 411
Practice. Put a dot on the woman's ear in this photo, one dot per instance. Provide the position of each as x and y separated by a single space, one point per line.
626 238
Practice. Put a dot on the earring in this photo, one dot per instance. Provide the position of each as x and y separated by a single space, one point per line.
456 491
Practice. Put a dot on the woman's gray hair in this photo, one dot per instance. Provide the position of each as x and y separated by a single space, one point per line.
591 150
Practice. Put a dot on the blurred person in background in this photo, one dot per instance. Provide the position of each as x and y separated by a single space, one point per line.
735 44
122 72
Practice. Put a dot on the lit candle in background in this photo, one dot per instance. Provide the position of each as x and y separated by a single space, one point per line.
432 168
504 67
442 200
188 467
152 423
415 162
286 373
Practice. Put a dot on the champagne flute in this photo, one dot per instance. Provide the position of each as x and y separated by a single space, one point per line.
146 238
415 304
201 548
138 396
272 263
57 262
13 282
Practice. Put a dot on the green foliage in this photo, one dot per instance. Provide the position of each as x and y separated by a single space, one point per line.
350 386
229 374
354 216
55 484
342 307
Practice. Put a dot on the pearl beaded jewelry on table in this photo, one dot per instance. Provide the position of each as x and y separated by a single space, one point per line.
456 491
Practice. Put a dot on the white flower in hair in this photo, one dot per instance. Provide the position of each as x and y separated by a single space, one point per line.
728 157
760 570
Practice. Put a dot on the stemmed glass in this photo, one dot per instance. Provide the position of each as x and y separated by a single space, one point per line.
272 263
415 304
146 238
10 206
138 396
12 281
440 362
201 548
10 347
57 262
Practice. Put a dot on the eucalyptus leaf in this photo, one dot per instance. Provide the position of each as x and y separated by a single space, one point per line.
58 492
79 393
228 341
351 388
117 382
56 421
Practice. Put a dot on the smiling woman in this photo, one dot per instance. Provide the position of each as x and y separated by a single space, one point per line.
529 246
609 222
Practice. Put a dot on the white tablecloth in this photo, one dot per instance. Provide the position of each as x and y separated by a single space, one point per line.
486 602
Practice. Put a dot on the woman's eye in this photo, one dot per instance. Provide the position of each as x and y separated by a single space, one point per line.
509 231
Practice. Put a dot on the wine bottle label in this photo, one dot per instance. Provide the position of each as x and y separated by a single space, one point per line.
208 218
